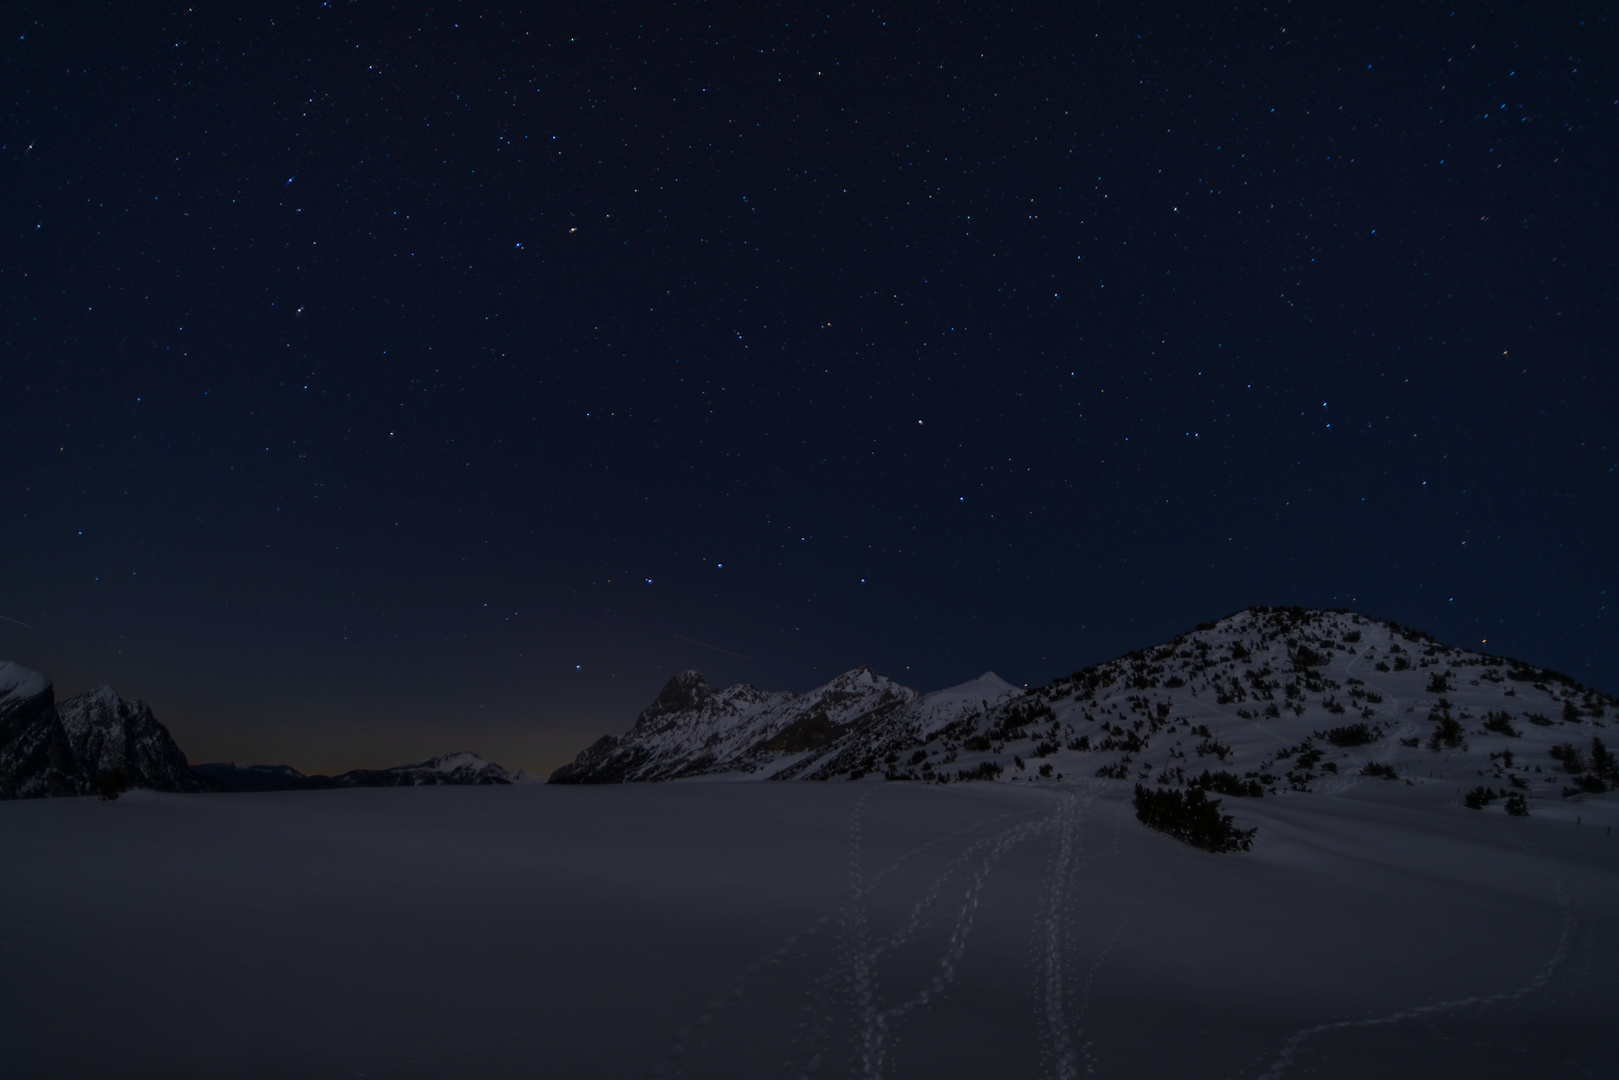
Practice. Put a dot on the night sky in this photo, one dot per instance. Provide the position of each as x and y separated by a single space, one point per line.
383 384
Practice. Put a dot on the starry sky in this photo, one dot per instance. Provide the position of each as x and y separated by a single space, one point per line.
386 380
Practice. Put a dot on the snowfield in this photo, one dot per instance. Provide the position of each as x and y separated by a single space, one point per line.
839 929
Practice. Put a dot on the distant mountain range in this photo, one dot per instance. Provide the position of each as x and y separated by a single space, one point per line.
1268 701
461 768
48 749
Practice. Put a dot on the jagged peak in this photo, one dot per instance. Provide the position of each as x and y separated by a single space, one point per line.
857 676
689 677
103 697
682 691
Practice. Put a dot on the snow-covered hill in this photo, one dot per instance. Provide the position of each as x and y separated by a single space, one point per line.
1266 702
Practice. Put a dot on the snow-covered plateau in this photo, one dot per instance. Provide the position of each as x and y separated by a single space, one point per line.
1377 926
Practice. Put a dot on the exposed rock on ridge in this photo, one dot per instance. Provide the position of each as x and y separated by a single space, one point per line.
110 735
36 758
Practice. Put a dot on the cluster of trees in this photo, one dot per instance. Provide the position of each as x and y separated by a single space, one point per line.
1225 783
1593 773
1351 735
1191 817
1447 732
1501 724
1480 797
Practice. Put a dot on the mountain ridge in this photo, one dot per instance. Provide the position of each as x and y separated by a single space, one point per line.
98 739
1265 701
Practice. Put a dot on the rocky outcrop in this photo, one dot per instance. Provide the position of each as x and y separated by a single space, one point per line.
36 758
112 736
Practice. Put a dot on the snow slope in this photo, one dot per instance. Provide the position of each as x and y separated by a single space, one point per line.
863 929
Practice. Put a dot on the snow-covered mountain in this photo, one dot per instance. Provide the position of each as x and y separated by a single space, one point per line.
460 768
110 735
1269 701
36 758
50 749
695 729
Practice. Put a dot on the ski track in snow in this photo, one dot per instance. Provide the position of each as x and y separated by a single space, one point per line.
860 959
1296 1042
851 982
1078 1030
1064 1063
811 1045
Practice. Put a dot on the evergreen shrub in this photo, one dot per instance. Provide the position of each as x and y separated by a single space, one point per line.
1191 817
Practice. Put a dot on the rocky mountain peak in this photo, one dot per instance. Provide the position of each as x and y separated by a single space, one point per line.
683 692
36 758
111 735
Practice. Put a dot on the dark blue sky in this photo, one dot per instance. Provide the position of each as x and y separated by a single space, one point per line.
380 385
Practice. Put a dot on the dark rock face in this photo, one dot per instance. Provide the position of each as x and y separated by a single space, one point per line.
685 692
36 758
109 734
601 763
